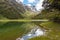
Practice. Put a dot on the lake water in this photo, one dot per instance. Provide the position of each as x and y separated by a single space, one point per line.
19 30
33 33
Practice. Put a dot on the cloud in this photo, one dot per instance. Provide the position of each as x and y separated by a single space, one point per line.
31 1
39 5
20 1
29 4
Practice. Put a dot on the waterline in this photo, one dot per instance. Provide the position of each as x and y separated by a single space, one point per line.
22 20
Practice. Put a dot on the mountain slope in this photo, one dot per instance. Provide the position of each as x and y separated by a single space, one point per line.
11 9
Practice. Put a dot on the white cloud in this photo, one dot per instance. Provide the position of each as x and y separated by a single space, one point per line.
31 1
39 5
29 4
20 1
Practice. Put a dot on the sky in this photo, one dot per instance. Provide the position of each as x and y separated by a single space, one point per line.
36 3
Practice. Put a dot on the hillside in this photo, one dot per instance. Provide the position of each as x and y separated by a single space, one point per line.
11 9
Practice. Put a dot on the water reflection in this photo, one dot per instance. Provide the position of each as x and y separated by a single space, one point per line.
23 30
33 33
